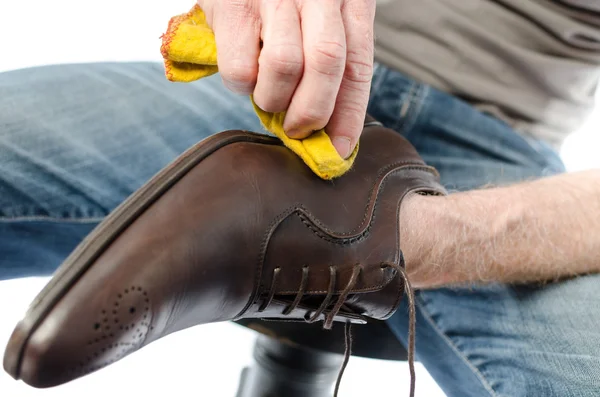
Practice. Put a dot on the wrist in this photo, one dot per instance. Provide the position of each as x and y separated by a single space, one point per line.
416 217
427 225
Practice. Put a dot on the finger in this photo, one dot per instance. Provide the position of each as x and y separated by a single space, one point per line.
324 44
207 6
236 25
346 123
281 59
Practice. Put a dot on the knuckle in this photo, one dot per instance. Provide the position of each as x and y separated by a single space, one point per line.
236 15
242 8
314 116
359 66
285 60
240 73
353 109
328 57
361 9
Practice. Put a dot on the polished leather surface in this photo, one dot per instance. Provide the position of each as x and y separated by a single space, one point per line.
202 241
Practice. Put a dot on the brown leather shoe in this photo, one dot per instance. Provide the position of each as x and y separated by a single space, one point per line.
236 227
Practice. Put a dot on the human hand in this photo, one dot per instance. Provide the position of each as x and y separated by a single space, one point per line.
313 58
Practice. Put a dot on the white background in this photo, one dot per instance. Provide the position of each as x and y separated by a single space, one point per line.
203 361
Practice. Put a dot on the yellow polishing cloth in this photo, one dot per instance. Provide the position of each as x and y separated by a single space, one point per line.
190 53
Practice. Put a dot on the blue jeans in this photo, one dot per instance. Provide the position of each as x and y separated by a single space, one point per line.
76 140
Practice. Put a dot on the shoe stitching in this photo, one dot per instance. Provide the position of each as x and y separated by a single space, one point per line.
398 249
261 259
338 306
455 348
381 180
293 209
342 296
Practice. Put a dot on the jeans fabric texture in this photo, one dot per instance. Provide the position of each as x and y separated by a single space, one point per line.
76 140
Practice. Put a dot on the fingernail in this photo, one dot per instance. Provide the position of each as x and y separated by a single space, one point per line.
342 145
299 133
293 133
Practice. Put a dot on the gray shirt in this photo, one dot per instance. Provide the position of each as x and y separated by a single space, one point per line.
533 63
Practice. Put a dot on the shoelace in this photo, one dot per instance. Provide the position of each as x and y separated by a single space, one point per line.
329 318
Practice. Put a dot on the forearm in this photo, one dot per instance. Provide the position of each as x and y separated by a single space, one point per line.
534 231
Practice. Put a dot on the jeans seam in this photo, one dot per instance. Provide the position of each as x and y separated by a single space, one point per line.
414 102
378 79
49 219
455 349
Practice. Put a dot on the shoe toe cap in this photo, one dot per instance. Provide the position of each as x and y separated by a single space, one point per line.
78 338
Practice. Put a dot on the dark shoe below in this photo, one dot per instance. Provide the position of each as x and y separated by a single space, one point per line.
236 227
